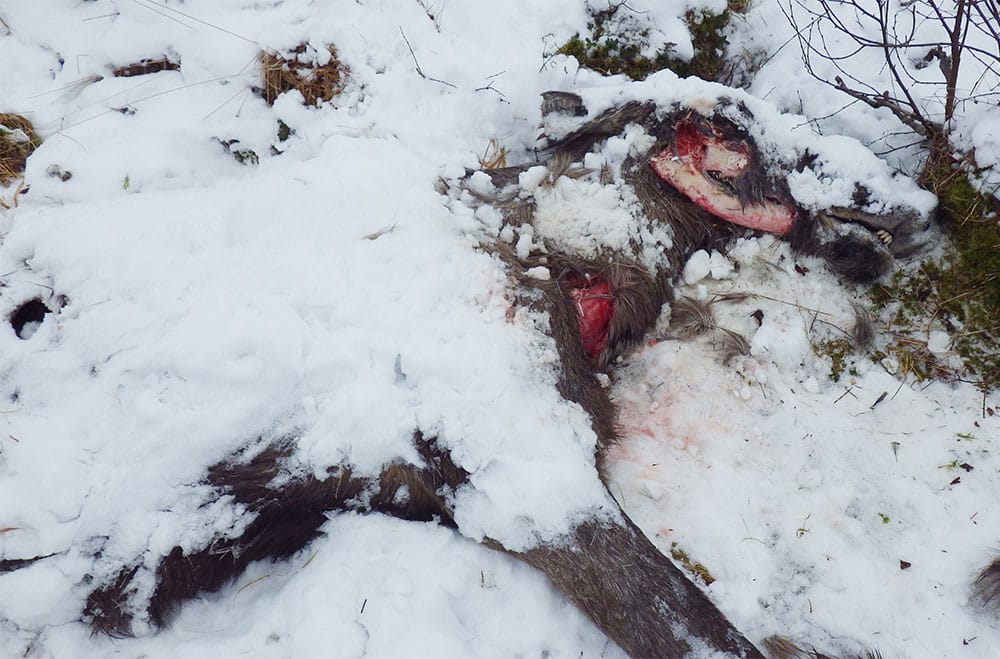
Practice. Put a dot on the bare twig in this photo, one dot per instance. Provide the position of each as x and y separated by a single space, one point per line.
835 31
417 64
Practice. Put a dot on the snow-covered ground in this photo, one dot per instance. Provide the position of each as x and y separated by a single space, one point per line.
332 292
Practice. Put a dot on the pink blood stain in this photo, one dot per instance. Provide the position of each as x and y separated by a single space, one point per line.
695 154
594 308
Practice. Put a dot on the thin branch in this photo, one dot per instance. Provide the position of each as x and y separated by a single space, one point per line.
488 87
417 64
892 30
885 101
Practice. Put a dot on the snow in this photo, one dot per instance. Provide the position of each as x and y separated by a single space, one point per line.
698 267
201 304
826 486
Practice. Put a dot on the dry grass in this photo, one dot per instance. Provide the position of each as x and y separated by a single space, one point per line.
298 69
695 568
17 142
494 156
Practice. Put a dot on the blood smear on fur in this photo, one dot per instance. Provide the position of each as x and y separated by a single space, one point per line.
594 308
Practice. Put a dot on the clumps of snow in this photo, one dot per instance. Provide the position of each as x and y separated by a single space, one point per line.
980 135
481 183
585 217
214 305
557 126
701 264
721 266
329 291
588 218
697 267
821 487
525 241
591 219
842 168
539 272
531 178
938 342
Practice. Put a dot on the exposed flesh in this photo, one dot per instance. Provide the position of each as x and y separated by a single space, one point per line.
685 165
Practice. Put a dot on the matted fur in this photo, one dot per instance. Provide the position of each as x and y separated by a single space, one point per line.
611 571
288 512
644 603
844 237
779 647
986 588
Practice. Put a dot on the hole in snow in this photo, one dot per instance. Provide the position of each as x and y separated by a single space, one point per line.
27 318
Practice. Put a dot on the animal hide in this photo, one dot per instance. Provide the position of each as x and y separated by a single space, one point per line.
682 179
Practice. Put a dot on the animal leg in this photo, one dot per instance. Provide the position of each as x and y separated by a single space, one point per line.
635 594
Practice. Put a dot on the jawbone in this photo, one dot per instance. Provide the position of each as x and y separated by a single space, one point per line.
683 174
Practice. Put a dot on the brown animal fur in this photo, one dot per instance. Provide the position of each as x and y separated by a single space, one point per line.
613 573
986 588
853 251
779 647
637 596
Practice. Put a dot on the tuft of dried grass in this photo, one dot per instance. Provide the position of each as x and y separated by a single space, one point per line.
693 567
17 142
299 69
494 156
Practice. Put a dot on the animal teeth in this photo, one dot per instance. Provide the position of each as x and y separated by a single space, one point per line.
884 236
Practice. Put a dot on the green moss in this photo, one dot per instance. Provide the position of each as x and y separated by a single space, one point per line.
709 42
616 47
613 55
284 131
959 292
840 352
246 156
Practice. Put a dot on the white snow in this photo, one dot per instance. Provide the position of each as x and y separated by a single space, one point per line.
210 304
698 266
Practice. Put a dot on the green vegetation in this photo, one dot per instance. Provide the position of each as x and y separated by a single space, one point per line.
693 567
612 55
707 36
284 131
960 291
616 45
840 353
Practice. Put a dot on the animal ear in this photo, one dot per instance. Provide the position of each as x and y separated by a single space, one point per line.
554 102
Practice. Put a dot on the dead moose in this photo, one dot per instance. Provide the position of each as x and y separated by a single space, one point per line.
704 178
